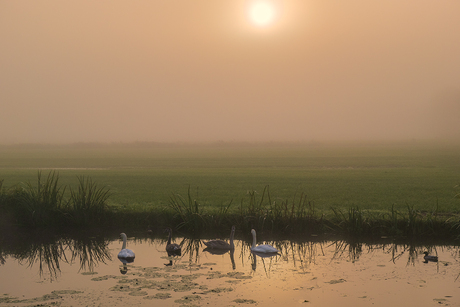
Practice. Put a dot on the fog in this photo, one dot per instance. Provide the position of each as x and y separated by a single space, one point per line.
187 71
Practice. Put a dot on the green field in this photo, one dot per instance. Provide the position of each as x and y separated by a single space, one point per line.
144 176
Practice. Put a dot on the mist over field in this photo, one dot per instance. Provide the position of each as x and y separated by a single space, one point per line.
209 71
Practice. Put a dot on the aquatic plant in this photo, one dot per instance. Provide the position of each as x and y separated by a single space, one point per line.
42 204
255 213
188 211
287 215
355 222
88 204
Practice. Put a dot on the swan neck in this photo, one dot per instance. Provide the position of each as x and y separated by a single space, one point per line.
124 243
253 239
232 234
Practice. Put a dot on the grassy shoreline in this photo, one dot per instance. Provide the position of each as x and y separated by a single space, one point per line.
44 206
394 189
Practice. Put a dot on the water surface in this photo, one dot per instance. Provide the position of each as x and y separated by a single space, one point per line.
70 272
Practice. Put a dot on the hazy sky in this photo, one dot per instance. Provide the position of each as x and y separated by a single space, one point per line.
203 70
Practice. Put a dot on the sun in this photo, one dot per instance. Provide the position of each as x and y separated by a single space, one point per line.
262 12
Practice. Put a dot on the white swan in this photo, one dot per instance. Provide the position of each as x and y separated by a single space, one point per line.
261 248
220 244
125 254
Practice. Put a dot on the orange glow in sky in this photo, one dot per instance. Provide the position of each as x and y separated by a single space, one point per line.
249 70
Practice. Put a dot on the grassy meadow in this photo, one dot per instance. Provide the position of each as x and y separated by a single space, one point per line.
327 180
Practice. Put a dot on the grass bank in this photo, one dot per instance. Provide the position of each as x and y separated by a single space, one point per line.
46 205
372 177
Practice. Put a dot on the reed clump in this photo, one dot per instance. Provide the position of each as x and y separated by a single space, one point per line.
44 205
263 213
39 205
187 211
88 204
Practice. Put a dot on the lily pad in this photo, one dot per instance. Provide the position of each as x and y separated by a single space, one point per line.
238 275
63 292
105 277
159 296
188 299
336 281
244 301
89 273
220 290
138 292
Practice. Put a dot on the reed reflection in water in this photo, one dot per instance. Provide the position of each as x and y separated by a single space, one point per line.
49 255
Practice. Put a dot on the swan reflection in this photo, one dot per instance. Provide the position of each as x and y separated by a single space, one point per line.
263 256
170 263
213 251
124 269
125 261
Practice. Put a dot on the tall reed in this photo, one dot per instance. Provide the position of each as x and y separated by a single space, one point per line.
88 204
353 223
263 213
42 205
188 211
